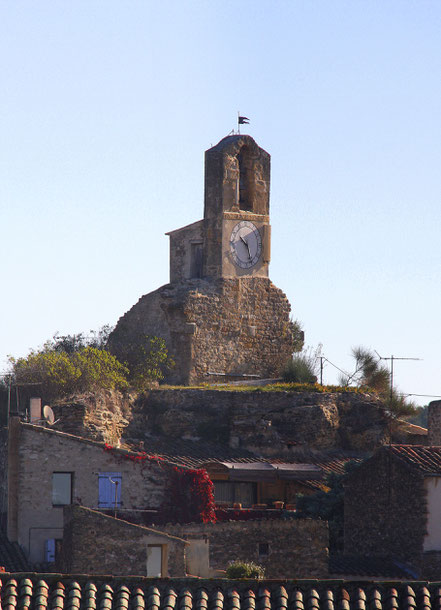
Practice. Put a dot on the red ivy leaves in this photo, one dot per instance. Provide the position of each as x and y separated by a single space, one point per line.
139 457
189 495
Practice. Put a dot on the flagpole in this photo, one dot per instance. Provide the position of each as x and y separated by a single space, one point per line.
238 122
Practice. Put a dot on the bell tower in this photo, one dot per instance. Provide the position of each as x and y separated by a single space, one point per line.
220 315
236 225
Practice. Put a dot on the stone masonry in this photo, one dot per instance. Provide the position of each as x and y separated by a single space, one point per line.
434 423
221 329
384 510
220 316
297 548
38 452
94 543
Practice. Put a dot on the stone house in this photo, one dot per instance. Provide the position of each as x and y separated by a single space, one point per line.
291 548
147 551
393 503
392 507
286 548
48 470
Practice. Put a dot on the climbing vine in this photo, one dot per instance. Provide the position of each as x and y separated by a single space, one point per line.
189 497
189 494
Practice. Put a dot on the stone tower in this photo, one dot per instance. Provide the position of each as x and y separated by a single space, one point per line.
220 315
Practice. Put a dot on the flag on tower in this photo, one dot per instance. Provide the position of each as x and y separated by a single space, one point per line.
243 120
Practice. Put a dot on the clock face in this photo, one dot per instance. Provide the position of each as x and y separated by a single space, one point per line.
245 244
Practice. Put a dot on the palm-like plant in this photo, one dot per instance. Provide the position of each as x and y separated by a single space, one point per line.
371 373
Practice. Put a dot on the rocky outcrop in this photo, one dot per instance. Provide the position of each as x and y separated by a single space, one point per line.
100 416
265 423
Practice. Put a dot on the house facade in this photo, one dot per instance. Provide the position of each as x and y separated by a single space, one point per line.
49 470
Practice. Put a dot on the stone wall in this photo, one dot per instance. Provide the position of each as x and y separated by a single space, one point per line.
385 510
94 543
268 423
434 423
181 242
431 565
296 548
219 329
3 476
40 452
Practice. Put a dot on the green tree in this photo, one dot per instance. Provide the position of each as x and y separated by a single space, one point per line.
298 336
147 359
60 373
76 342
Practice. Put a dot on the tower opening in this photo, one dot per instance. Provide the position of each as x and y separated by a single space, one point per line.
245 179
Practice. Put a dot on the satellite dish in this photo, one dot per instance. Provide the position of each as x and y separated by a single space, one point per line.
48 415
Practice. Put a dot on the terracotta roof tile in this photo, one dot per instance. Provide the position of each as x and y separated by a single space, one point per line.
426 459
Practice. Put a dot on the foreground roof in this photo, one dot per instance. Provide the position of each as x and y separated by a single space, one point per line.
59 592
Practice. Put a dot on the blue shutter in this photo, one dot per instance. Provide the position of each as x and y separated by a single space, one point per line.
50 550
106 489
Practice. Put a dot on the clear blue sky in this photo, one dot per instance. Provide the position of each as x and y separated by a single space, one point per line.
107 107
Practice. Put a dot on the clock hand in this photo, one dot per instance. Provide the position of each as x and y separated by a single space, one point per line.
248 248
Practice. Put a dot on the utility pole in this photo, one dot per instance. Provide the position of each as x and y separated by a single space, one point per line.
321 369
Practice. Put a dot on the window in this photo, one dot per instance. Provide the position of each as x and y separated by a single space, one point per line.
245 179
109 489
229 491
196 260
263 549
62 488
154 560
52 549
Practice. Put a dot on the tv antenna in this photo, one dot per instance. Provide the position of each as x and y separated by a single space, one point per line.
392 359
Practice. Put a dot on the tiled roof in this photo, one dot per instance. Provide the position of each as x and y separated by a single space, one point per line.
12 558
196 453
64 592
412 428
383 567
426 459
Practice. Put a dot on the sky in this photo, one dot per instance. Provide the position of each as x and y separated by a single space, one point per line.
107 107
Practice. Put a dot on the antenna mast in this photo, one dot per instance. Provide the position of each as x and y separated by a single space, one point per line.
392 358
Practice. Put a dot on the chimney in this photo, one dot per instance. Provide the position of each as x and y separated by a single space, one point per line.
35 410
434 423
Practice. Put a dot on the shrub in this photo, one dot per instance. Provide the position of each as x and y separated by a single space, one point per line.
58 373
245 569
301 368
